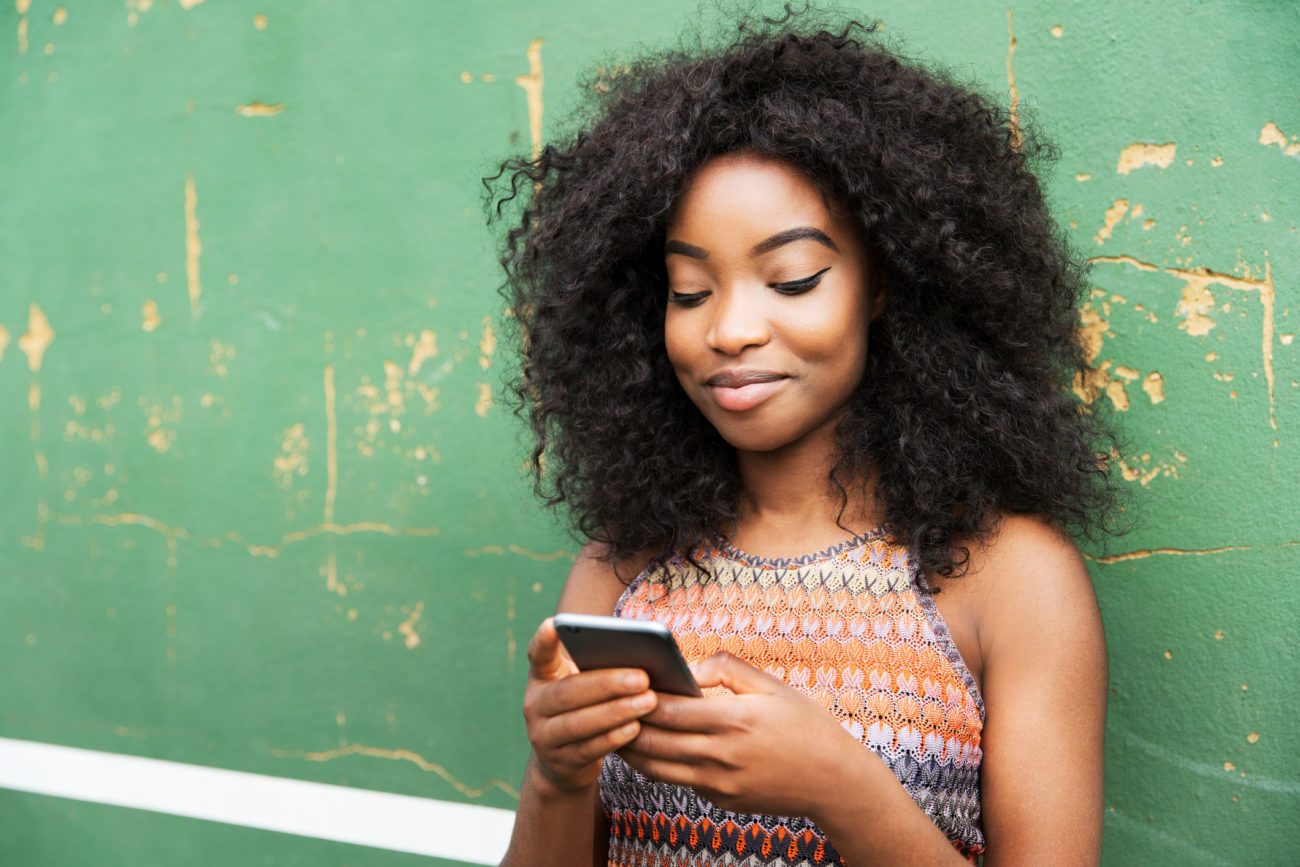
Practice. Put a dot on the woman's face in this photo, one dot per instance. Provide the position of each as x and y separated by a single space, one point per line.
769 299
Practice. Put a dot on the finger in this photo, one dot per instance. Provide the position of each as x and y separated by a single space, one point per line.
664 770
682 713
723 669
546 657
582 753
658 743
587 688
590 722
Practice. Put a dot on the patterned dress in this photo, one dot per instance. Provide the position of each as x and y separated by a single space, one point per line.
847 627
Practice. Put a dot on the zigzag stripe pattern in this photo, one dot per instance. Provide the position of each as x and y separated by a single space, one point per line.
848 628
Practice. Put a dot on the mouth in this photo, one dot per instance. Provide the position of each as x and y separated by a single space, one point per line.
739 390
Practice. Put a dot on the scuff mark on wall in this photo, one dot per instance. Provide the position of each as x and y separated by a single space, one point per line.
531 82
1270 135
1140 154
1014 109
193 247
1113 215
37 338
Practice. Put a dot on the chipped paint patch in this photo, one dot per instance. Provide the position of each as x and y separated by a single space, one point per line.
1140 154
484 402
487 344
292 460
1270 135
1113 215
522 552
1154 386
4 341
422 350
1194 307
350 749
37 339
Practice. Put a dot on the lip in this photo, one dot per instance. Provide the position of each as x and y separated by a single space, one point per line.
742 389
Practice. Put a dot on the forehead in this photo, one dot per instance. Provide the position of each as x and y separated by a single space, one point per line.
764 193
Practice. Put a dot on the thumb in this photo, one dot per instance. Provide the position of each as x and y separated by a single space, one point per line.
546 656
723 669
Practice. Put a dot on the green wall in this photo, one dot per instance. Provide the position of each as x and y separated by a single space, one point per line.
263 507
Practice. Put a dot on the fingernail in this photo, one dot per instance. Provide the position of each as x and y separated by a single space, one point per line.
644 702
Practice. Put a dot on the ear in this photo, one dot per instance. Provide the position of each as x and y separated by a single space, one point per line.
880 275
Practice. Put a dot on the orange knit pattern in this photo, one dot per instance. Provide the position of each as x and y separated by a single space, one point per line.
846 627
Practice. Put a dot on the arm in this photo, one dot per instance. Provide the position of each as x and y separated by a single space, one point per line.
573 720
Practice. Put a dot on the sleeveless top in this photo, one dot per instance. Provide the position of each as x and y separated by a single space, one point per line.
847 627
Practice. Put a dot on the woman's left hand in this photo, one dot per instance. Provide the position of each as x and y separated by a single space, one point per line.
767 748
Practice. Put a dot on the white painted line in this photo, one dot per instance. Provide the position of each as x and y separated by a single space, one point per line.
423 826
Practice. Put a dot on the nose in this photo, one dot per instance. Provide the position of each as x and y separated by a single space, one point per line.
739 322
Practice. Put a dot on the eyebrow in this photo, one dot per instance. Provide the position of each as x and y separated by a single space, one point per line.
780 239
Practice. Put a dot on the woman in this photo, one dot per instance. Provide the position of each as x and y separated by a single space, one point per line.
799 335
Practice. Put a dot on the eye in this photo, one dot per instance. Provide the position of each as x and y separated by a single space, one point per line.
686 299
798 287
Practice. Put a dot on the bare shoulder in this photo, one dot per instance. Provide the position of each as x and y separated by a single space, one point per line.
598 579
1031 583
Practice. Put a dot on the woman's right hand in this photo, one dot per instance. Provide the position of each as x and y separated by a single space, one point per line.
575 718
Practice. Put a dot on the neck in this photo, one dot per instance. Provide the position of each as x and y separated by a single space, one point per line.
789 505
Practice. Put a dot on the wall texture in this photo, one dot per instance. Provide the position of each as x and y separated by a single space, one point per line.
262 507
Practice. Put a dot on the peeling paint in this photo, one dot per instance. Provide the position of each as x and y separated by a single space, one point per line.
1144 553
193 247
4 341
292 460
487 344
37 339
1270 135
522 552
484 402
1013 110
1154 386
149 311
1194 307
350 749
423 349
407 628
1141 154
259 109
1113 215
531 82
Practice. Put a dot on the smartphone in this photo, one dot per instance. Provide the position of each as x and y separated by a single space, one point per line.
613 642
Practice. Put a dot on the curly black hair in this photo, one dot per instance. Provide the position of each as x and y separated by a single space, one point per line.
965 410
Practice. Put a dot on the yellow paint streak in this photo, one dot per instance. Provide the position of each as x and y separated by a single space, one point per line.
1124 260
487 344
37 339
522 552
532 85
1154 386
349 749
4 341
34 396
1174 552
1014 109
407 627
1141 154
259 109
149 310
331 446
425 348
484 402
1113 215
193 247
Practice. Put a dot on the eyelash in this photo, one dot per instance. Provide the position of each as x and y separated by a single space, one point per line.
793 287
